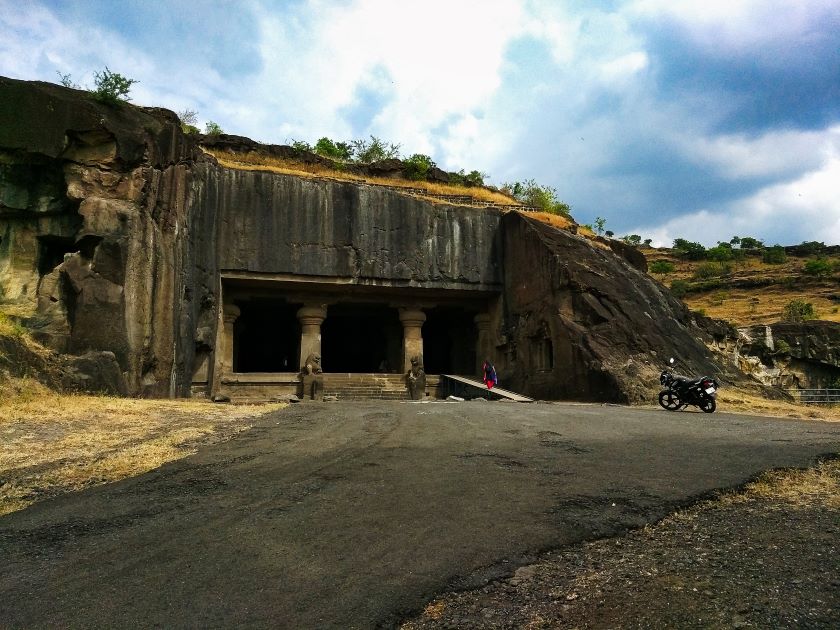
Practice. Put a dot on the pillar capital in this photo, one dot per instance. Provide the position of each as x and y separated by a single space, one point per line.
312 314
412 317
230 313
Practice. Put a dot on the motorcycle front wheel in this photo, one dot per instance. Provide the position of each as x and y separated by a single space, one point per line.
707 405
669 400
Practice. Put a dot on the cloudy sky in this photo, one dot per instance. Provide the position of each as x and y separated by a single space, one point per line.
669 118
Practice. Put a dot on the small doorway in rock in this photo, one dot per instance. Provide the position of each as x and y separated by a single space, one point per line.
51 251
266 336
449 338
361 338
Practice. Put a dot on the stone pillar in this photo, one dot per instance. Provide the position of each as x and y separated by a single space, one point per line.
310 317
412 320
230 313
482 342
223 355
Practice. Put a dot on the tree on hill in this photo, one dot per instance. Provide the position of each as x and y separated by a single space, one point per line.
213 128
111 87
335 150
798 311
374 150
600 222
544 198
721 253
418 166
774 255
661 267
809 248
747 242
818 267
688 249
188 119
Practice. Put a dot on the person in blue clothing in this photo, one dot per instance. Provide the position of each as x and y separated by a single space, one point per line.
489 377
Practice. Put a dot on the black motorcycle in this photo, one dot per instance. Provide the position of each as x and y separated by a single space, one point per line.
682 392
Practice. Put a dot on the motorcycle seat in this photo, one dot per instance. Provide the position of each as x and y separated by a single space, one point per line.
683 380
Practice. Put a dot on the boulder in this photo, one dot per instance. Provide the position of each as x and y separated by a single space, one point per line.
94 372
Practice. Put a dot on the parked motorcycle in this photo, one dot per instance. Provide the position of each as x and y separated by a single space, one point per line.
682 392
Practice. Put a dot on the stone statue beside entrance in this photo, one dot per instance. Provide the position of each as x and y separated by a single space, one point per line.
416 379
312 378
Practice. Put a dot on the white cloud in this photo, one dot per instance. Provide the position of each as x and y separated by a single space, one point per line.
437 68
727 27
774 153
806 208
569 95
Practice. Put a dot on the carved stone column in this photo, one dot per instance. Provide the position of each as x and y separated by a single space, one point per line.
230 313
412 320
310 317
482 342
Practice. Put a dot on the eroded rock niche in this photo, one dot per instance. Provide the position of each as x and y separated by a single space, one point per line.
120 237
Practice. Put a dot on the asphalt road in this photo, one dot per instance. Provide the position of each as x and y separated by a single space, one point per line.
350 515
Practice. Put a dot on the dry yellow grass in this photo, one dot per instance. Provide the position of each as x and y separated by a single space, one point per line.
555 220
759 305
818 485
9 327
52 443
257 161
733 400
744 307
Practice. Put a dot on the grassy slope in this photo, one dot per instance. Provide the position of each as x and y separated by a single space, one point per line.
758 304
53 442
260 162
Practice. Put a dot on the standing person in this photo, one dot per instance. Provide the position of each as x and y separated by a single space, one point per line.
489 378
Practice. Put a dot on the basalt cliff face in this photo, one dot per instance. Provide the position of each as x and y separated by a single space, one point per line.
804 355
116 231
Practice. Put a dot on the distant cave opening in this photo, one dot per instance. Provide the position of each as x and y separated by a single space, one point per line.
266 336
363 338
449 340
51 251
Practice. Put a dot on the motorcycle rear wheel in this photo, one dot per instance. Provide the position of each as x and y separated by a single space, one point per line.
669 400
707 405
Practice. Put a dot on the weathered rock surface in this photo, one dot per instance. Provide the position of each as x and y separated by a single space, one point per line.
609 327
97 372
92 210
274 223
792 355
116 229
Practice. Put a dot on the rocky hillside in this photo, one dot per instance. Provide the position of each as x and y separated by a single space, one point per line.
751 291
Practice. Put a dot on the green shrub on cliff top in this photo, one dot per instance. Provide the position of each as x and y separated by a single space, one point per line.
543 198
335 150
111 87
418 166
798 311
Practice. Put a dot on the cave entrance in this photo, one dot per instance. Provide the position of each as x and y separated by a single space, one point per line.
51 252
362 338
449 341
266 336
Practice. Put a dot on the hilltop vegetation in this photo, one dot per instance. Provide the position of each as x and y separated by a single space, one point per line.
363 160
746 282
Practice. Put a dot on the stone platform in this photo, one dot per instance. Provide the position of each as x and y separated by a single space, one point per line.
262 386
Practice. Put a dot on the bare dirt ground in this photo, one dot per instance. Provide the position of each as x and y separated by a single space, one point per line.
765 557
55 443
